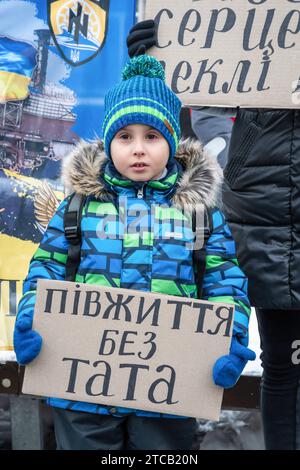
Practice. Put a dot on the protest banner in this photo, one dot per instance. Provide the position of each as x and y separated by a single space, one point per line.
129 348
221 53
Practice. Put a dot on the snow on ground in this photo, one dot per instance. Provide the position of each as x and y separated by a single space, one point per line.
7 356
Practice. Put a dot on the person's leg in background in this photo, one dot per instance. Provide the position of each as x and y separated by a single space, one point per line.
278 330
76 430
160 433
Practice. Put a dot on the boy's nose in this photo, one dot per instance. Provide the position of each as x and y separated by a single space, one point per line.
139 150
139 153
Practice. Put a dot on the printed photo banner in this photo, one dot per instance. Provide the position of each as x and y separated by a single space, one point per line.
129 348
222 53
58 58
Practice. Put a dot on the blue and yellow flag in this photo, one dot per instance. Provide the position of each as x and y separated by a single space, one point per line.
17 62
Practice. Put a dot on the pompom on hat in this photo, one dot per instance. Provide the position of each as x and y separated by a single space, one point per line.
142 97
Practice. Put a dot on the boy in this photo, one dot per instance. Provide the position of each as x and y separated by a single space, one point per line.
138 170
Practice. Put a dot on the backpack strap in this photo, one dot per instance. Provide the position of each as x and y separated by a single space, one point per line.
72 228
199 255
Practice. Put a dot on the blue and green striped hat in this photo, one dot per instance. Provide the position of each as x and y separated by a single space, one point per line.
142 97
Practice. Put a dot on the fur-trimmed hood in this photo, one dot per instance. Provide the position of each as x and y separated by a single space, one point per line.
198 185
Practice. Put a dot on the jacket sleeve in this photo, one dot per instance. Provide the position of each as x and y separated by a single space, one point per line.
48 262
224 281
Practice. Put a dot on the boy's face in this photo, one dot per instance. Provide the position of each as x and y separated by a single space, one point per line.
139 152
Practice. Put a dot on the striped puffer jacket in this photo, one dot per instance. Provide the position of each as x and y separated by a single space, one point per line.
156 258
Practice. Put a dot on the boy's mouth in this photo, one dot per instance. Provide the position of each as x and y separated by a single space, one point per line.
139 165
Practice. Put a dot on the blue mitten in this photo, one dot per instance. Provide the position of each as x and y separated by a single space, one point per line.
227 369
27 342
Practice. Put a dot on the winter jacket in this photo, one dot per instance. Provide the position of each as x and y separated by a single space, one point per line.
262 204
144 261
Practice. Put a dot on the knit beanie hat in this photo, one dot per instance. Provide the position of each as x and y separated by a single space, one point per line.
142 97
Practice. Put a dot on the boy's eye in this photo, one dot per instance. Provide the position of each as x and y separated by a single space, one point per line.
152 136
124 136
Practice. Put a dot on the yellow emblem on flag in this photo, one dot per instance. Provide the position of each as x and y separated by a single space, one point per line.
78 28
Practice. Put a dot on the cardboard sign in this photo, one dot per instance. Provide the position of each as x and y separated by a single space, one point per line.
130 348
230 53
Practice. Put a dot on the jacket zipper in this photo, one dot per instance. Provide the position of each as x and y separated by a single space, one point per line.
140 192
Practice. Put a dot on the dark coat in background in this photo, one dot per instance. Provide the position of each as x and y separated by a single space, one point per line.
262 203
